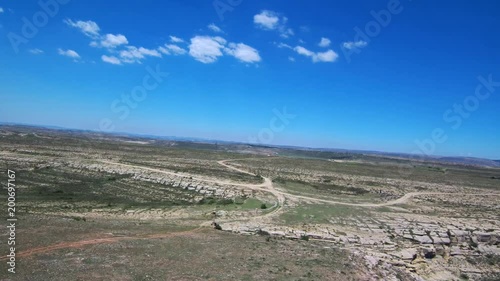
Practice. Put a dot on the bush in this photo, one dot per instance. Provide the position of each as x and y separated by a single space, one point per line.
263 206
211 200
304 237
207 200
225 202
239 201
263 232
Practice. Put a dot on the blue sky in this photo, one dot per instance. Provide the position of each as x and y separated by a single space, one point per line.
372 75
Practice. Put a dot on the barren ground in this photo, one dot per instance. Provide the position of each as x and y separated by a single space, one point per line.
93 207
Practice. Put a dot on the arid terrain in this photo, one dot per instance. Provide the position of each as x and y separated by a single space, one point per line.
106 207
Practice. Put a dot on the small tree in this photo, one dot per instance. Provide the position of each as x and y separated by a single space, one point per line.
217 226
263 206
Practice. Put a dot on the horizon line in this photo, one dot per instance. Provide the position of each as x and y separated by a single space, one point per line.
55 127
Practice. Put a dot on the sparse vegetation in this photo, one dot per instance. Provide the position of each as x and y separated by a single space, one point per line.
304 237
68 186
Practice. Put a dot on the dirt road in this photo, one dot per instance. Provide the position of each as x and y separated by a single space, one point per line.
265 186
79 244
400 200
268 184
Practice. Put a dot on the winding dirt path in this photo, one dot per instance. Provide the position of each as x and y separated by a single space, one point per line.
269 187
265 186
192 177
400 200
268 183
81 243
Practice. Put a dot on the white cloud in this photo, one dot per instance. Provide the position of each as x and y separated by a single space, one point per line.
88 28
176 39
92 30
266 19
282 45
36 51
354 45
328 56
1 10
135 55
206 49
125 53
112 40
130 55
269 20
149 52
303 51
325 42
111 59
163 50
285 31
214 28
243 52
176 49
68 53
168 49
292 59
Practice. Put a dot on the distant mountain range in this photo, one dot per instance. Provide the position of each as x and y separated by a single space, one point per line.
471 161
311 152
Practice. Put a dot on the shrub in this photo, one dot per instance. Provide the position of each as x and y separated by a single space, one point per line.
263 232
226 201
